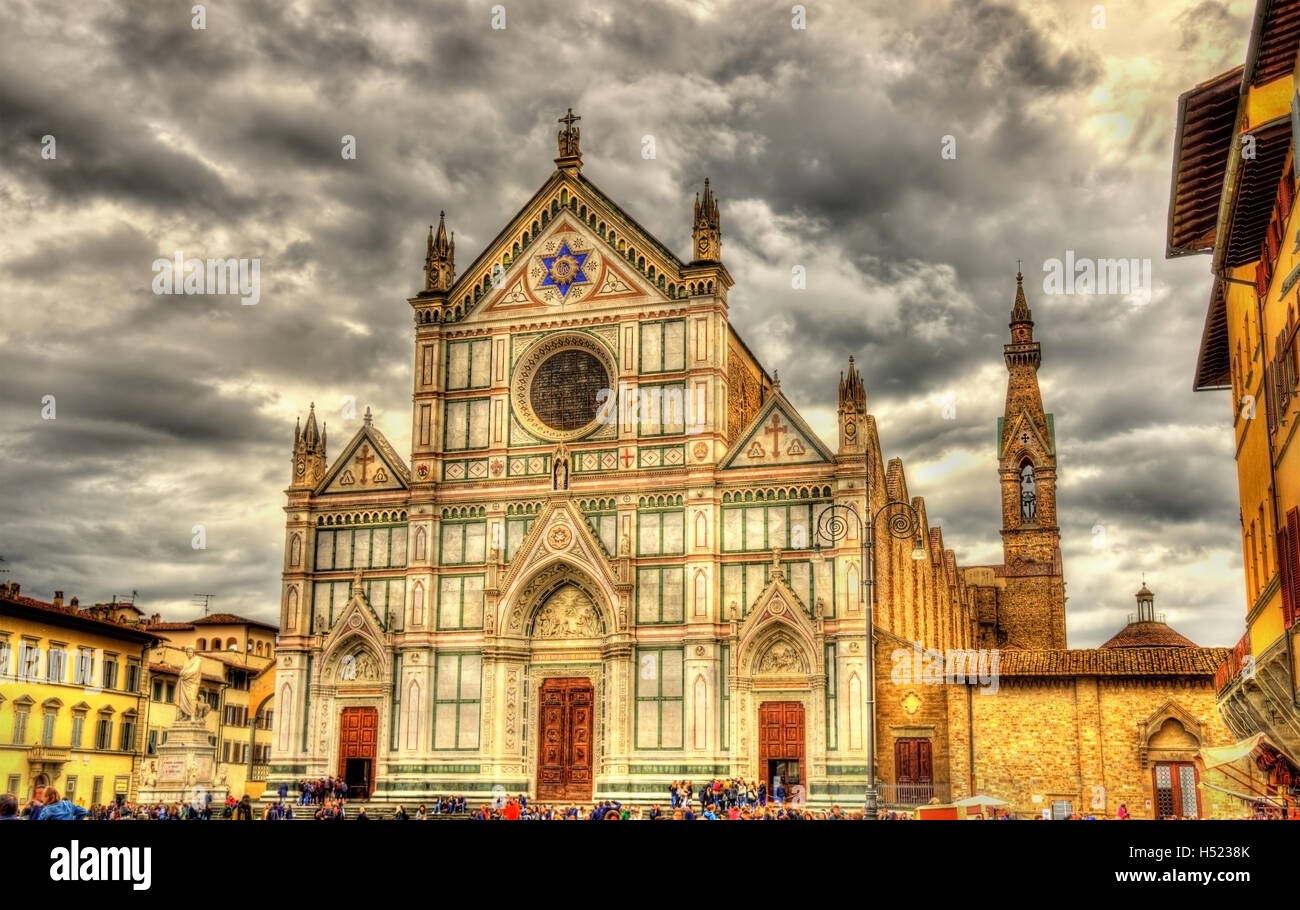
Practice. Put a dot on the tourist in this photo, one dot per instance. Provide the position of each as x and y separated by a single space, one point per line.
421 814
244 811
400 815
58 809
1122 813
8 808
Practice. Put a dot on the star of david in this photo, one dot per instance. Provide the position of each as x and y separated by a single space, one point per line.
564 269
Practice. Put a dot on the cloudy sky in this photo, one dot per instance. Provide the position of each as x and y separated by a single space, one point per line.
823 143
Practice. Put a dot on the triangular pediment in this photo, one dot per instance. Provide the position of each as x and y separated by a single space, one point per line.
368 463
569 245
356 624
1024 437
560 530
776 436
778 617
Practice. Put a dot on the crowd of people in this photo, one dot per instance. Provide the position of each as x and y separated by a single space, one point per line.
612 810
721 794
315 792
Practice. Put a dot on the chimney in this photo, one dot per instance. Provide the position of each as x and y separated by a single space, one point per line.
76 602
58 598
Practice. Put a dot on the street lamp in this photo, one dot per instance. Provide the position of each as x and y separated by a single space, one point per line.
834 525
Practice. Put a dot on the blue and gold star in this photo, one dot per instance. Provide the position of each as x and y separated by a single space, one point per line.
564 269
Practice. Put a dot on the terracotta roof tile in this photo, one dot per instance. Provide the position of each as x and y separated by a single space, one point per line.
1162 661
1148 634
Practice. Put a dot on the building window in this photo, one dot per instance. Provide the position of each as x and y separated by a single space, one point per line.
126 740
1175 786
660 533
1028 492
20 725
659 698
659 595
132 676
467 424
29 659
662 409
15 781
83 670
604 525
47 728
516 530
6 660
104 733
1062 809
152 748
70 788
460 602
761 528
663 346
56 664
457 693
469 364
463 542
78 728
97 791
110 673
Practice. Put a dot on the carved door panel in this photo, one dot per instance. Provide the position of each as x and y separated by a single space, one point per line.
780 733
358 739
566 720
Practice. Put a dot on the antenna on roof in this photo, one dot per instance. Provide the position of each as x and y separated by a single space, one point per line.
205 600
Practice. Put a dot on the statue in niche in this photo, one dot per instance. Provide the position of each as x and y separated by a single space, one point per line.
560 468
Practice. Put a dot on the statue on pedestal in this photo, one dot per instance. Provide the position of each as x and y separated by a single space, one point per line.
187 688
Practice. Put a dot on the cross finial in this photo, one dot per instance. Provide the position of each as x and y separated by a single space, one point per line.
568 119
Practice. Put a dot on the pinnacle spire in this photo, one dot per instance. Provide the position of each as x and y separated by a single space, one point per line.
439 257
853 394
706 231
1020 310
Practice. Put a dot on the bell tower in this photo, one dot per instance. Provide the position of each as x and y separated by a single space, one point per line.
1031 607
1027 448
706 233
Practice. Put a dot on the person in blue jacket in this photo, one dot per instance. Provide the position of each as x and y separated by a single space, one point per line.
59 809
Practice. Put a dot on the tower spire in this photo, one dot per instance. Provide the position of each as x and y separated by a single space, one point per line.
707 228
852 411
440 258
308 452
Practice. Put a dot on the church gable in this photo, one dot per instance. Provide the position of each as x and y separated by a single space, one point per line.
777 435
368 463
560 530
569 244
1023 436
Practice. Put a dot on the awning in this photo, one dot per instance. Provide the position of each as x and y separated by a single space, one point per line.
981 800
1242 796
1214 756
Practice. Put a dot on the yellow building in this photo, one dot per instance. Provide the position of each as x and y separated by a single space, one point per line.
72 702
1233 193
237 683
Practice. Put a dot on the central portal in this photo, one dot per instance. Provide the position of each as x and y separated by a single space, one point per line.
565 709
781 743
358 737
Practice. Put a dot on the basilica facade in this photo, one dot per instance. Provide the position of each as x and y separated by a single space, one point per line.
611 559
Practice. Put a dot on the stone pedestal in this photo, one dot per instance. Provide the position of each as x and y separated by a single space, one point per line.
185 768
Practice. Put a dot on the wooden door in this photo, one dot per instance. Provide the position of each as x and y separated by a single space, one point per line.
358 739
913 771
1176 790
780 733
565 720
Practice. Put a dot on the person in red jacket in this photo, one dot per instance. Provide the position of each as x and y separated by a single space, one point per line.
511 811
